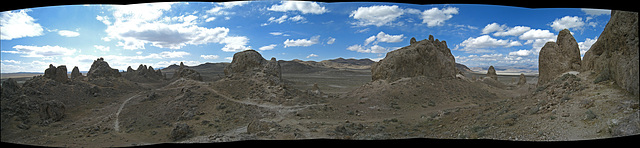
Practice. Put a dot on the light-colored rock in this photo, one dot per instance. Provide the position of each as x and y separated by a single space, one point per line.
423 58
558 57
491 73
523 79
615 53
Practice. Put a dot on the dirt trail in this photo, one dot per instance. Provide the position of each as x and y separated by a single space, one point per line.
116 125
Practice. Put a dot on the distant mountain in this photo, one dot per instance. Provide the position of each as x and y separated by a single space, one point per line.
463 68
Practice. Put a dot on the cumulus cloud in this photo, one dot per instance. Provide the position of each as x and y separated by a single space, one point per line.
493 27
284 18
312 55
372 49
18 24
515 31
67 33
567 22
209 56
521 53
536 34
486 41
135 25
268 47
437 17
586 45
304 7
40 51
301 42
383 37
376 15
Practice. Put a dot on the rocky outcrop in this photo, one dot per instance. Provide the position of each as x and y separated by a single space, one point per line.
491 73
183 72
9 88
249 63
75 73
615 53
100 68
412 41
523 79
424 58
558 57
51 111
58 74
143 74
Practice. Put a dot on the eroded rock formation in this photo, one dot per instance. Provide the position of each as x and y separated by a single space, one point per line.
558 57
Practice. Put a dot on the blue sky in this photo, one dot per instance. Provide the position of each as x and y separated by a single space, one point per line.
161 34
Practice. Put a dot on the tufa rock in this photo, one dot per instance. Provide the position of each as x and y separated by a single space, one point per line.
249 63
58 74
616 51
183 72
75 73
523 79
424 58
100 68
558 57
491 73
9 88
143 74
412 41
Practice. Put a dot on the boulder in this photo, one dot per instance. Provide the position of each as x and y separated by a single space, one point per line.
75 73
615 53
180 131
100 68
558 57
523 79
491 73
412 41
424 58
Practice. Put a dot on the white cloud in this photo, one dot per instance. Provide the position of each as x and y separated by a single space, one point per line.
210 19
268 47
275 33
67 33
493 27
383 37
596 12
369 40
331 40
235 44
40 51
135 25
301 42
220 9
278 20
372 49
18 24
537 34
103 19
11 61
209 56
302 6
567 22
521 53
437 17
102 48
586 45
376 15
515 31
312 55
486 41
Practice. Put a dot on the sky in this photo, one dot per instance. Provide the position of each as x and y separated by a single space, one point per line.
164 33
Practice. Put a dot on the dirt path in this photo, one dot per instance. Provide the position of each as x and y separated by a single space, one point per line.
116 125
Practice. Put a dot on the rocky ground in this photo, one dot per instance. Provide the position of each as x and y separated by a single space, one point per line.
257 99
